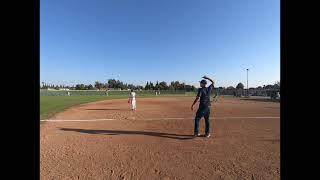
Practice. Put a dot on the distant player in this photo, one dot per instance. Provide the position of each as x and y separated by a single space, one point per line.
204 106
68 93
107 92
132 100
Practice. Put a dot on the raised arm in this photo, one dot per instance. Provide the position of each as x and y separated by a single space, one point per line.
205 77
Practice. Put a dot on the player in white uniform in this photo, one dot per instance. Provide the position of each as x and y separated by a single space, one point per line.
132 99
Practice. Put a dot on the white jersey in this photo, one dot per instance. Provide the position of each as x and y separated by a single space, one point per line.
133 95
133 101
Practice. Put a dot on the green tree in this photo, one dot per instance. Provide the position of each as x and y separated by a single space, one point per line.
171 87
277 85
78 87
90 87
147 87
131 86
111 83
157 87
176 85
163 86
98 85
104 85
139 87
82 87
240 86
183 86
188 88
151 85
118 84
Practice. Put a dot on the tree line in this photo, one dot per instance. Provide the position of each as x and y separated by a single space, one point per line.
239 90
174 85
117 84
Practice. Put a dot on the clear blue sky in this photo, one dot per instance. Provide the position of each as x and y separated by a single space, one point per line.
82 41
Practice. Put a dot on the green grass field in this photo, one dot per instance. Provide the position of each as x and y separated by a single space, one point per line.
50 105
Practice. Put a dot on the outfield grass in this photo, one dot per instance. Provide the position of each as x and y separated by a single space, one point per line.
50 105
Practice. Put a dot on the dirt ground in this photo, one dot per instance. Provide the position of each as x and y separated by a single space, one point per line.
155 142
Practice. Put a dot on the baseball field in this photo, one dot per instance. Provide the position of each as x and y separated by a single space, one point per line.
98 137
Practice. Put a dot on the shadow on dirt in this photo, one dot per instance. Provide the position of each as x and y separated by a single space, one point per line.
119 132
108 109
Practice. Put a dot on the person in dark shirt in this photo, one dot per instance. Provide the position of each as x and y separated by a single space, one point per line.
204 106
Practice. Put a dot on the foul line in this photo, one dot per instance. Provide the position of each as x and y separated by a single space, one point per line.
76 120
151 119
215 118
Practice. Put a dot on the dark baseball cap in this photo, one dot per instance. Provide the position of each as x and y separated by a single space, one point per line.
203 81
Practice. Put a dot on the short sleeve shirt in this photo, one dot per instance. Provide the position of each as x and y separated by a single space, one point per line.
133 95
204 94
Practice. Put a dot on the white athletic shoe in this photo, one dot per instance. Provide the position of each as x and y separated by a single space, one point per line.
208 135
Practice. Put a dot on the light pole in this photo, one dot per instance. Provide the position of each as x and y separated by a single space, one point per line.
247 84
184 87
